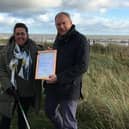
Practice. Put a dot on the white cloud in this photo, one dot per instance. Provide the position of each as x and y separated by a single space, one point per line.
87 14
1 18
5 19
13 5
101 6
45 3
82 5
98 4
122 3
103 10
9 20
43 18
115 24
100 24
76 18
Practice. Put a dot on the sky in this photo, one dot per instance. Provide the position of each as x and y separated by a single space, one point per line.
91 17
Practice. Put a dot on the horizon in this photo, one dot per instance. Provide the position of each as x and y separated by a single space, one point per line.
51 37
9 33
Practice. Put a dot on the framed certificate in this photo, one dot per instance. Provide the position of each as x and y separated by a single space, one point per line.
46 64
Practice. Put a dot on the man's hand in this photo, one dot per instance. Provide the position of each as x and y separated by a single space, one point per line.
52 79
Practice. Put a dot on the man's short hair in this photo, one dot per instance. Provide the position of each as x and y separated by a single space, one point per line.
63 13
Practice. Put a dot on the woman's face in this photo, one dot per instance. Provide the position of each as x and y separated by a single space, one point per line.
20 36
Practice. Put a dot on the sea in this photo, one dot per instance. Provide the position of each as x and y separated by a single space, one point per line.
93 39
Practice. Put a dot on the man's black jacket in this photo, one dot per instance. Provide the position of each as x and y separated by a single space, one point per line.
72 62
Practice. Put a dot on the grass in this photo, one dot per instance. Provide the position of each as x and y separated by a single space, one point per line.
105 89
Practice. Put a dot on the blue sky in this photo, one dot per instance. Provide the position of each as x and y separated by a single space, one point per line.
91 17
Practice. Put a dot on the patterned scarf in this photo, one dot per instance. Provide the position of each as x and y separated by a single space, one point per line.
26 62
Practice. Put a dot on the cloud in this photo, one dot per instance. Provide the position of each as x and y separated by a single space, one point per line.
89 15
100 24
16 5
45 17
48 3
96 5
80 5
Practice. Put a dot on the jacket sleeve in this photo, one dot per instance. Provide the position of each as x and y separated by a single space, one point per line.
4 75
81 63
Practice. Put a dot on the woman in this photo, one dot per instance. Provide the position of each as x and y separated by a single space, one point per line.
17 69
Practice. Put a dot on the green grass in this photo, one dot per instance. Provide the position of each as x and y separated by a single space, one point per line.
105 89
3 41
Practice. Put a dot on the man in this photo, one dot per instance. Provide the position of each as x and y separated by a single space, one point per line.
63 90
17 70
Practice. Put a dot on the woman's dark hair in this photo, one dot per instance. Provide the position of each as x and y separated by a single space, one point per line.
17 25
22 25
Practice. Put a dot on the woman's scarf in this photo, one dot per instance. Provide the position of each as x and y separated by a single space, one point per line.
25 70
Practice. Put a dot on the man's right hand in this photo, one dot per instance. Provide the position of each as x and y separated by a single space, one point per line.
52 79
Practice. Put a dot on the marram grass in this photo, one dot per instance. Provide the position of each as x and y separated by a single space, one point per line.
105 89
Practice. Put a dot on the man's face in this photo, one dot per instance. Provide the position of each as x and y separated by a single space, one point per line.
63 24
21 36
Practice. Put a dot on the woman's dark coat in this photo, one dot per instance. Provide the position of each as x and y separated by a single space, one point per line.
27 88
